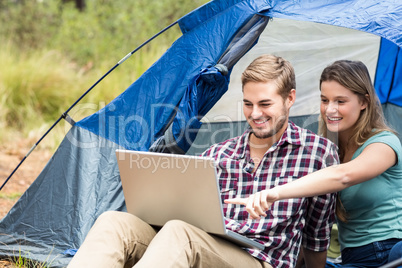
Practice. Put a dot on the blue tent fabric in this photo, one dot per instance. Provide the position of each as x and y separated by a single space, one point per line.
203 92
219 8
383 18
388 80
82 179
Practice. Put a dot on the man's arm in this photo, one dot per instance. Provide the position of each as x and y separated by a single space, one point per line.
314 259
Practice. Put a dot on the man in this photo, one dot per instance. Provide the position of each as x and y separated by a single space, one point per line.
272 151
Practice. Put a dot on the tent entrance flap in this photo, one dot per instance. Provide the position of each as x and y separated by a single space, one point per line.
205 89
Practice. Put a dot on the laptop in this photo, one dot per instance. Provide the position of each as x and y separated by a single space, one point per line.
159 187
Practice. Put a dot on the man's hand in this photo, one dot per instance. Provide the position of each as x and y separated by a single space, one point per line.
256 204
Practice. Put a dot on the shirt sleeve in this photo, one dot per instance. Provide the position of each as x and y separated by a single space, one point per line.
320 214
387 138
319 220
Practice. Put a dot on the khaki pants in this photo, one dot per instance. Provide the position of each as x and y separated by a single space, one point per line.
119 239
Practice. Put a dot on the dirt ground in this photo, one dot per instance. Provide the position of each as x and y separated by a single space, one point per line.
10 157
6 264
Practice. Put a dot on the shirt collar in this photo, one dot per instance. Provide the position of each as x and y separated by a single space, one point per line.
292 135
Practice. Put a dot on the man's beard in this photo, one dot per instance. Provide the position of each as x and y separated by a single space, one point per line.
273 132
278 126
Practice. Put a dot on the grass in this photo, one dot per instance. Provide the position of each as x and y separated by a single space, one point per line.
10 196
37 88
21 261
24 260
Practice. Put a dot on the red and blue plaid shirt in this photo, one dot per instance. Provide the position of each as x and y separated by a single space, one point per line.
289 222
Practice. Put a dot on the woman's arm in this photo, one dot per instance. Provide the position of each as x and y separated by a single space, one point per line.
374 160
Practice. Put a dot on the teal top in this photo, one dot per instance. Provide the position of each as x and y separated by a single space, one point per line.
374 207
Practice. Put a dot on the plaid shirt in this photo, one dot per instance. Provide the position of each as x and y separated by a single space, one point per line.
297 153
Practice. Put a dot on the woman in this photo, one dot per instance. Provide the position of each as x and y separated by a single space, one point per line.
369 178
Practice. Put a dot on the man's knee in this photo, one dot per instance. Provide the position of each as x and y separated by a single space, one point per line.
114 216
182 231
178 229
108 215
177 225
118 221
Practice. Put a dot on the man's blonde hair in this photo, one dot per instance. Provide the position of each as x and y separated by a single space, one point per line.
267 68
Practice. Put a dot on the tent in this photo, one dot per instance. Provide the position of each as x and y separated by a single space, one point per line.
191 98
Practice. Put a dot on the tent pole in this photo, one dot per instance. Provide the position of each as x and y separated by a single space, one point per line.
65 114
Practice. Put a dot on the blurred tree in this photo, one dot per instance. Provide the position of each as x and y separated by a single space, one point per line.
79 4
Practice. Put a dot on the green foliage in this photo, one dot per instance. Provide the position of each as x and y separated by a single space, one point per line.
28 24
106 29
115 27
51 53
36 88
10 196
32 85
22 261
